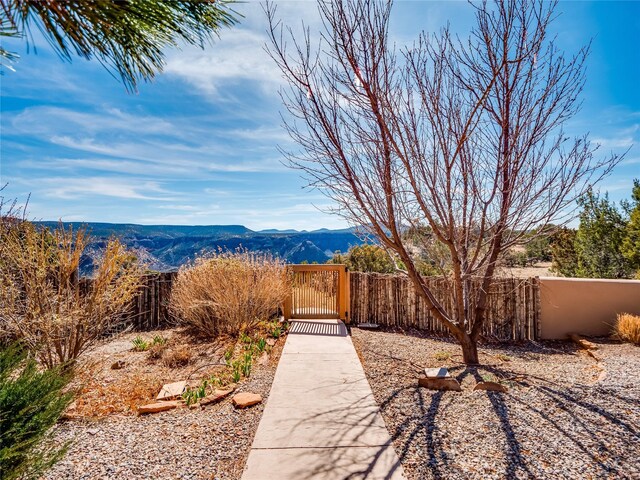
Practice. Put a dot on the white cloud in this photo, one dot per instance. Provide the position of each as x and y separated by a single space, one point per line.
623 138
630 161
81 187
45 120
238 57
614 142
300 216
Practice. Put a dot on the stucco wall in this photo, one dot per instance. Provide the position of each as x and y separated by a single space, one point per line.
584 305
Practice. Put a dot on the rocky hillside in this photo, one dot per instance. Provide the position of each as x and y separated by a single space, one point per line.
166 247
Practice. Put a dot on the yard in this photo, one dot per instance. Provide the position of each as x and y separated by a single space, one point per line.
565 414
108 439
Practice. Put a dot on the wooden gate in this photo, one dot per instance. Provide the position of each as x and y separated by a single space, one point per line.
319 291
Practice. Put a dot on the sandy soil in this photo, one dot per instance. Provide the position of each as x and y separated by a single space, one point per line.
109 441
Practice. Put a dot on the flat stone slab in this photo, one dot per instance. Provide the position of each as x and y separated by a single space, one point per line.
246 399
583 342
216 396
171 391
439 372
490 386
321 420
158 407
448 383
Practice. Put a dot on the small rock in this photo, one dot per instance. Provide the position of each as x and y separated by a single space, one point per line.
216 396
118 365
271 341
491 386
246 399
446 383
595 356
171 391
583 343
158 407
264 358
441 372
92 431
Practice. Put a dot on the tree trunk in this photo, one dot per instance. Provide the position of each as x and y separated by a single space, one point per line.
469 349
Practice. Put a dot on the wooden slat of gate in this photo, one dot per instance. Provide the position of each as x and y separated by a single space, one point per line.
319 291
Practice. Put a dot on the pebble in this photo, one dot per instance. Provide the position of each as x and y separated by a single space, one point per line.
184 444
566 424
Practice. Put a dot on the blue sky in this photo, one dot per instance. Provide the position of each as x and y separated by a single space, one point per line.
199 144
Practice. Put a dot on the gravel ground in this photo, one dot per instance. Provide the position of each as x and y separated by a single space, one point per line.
212 442
565 416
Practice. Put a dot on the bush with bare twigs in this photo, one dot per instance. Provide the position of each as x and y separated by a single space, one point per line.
227 293
628 327
43 302
177 356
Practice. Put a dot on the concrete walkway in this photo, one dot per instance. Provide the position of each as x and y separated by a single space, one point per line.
321 420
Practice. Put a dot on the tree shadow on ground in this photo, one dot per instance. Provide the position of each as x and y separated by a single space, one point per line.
551 347
419 430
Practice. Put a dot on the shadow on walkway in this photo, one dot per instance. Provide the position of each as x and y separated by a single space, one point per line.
308 327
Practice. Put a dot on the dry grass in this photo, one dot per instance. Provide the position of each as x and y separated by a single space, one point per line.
177 356
628 327
228 293
103 391
97 398
46 306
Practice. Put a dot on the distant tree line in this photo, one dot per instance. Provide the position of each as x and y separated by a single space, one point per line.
607 242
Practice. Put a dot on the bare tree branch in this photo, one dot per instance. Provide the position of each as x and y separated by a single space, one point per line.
464 137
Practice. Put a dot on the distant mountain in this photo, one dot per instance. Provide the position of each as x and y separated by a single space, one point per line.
167 247
168 231
275 230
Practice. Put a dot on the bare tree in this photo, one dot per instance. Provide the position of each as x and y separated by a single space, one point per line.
463 137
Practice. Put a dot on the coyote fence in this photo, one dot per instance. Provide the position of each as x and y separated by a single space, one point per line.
151 306
513 309
149 309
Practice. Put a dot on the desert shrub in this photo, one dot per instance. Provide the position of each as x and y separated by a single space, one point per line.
31 401
366 258
228 293
628 327
45 305
514 258
563 252
177 356
158 347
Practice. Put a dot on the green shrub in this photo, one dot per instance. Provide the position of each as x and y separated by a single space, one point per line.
366 258
140 344
31 401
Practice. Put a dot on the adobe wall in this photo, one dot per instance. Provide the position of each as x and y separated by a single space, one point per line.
585 306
